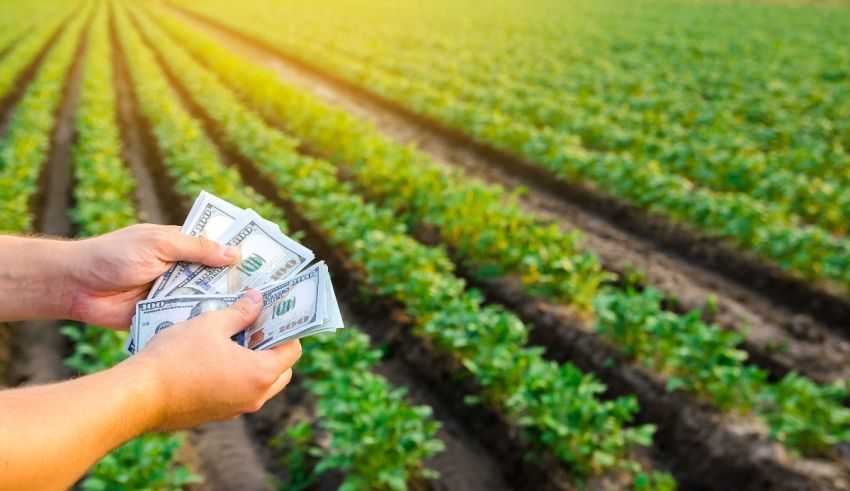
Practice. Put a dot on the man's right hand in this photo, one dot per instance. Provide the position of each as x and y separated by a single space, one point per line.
200 375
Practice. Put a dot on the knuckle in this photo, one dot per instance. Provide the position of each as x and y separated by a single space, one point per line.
263 379
241 310
204 245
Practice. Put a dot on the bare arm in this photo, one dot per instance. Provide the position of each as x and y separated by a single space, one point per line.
97 280
188 374
34 275
50 434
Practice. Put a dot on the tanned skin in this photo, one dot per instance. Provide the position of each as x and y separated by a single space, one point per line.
189 374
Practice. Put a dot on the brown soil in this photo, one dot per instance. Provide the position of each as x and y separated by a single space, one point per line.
228 457
706 448
696 440
155 203
778 338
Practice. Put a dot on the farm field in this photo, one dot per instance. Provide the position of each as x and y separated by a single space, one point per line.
577 244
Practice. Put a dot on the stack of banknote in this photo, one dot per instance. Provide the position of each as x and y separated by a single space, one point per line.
298 300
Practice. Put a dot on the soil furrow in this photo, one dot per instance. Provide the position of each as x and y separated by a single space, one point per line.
778 338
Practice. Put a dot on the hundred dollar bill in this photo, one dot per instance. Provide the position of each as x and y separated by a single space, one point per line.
266 256
300 306
152 316
209 217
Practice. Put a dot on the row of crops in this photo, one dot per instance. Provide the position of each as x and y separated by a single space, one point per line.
221 123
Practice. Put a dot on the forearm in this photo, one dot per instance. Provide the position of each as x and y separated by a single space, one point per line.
50 434
34 278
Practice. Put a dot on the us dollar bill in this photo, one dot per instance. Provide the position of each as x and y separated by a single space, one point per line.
301 306
153 316
266 256
209 217
295 308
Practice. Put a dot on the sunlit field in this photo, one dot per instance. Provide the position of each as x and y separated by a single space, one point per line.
578 244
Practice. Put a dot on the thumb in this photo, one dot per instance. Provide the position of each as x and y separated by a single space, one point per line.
238 316
200 250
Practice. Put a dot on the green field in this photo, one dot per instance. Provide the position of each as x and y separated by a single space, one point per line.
580 244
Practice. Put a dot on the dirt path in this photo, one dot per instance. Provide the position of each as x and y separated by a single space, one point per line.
778 338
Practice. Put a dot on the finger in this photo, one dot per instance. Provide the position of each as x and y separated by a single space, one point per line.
278 385
237 317
179 247
283 356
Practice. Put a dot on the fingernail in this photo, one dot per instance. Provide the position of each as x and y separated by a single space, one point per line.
253 296
231 252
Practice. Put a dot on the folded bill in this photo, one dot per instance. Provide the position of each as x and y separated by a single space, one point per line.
297 302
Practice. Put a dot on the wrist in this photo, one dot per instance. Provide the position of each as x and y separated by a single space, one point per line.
146 387
37 281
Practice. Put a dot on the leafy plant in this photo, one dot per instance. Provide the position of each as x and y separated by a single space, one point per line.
691 354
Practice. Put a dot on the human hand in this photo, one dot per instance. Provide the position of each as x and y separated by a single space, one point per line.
112 272
201 375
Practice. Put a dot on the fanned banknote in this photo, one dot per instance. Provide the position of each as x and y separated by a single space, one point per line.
297 302
298 307
265 255
209 217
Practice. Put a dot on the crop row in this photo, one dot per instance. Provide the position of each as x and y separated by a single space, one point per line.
414 187
102 191
26 49
392 438
760 226
556 405
705 161
23 149
818 201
